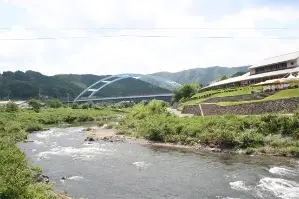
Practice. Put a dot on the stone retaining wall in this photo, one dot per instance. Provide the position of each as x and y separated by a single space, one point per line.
191 109
286 105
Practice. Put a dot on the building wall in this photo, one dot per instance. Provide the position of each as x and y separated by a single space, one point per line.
289 63
252 71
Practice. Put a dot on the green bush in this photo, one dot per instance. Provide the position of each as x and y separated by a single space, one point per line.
84 118
35 105
100 123
75 106
185 92
53 103
70 119
11 107
85 106
33 126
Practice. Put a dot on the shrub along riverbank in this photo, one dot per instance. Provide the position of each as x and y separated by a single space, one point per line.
17 177
271 134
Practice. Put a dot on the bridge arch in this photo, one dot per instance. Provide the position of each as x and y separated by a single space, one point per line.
114 78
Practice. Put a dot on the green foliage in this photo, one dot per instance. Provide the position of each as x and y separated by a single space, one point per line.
85 106
11 107
228 131
90 104
35 105
185 92
75 106
204 95
100 123
224 77
283 94
33 126
16 177
53 103
284 125
237 74
20 85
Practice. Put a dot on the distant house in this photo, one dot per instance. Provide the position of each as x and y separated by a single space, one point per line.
270 68
21 104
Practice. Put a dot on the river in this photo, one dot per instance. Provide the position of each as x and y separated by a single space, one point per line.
133 171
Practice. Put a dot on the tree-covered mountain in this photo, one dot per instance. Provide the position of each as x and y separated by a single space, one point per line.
25 85
201 75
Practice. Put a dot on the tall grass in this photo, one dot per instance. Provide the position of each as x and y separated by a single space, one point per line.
225 132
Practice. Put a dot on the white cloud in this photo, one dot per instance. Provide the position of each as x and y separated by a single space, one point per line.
19 55
102 55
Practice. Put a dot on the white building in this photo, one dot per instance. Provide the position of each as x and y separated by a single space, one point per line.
21 104
270 68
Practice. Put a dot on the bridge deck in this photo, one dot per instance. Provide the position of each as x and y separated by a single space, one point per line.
123 97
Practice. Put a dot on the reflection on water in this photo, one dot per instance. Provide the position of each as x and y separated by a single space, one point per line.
123 170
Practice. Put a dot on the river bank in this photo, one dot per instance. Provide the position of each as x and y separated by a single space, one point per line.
15 127
266 134
109 170
95 133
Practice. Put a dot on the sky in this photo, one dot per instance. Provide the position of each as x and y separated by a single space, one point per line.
120 36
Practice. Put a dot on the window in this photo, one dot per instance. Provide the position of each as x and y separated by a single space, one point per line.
292 63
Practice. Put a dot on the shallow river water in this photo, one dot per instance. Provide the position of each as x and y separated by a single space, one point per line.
103 170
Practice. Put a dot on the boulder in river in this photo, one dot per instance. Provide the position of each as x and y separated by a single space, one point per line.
42 178
90 139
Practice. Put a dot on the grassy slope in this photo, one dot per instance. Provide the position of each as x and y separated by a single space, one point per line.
16 175
200 97
284 94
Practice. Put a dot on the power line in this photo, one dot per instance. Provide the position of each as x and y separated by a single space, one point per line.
149 36
155 28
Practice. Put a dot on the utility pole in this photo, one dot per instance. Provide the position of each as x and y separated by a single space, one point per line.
68 100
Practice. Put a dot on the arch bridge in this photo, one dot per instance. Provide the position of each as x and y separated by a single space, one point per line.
102 83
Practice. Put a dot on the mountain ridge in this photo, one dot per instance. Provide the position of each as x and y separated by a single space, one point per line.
29 84
201 75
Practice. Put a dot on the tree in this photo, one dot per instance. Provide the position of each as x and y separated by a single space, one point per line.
53 103
223 78
238 74
90 105
85 106
185 92
36 105
11 107
75 106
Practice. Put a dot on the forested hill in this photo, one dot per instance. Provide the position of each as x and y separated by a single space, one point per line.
25 85
201 75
